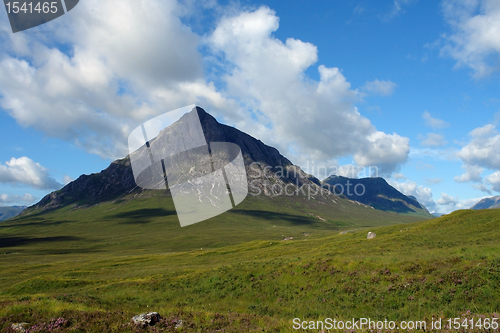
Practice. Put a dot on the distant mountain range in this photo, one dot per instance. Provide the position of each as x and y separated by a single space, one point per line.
267 170
375 192
488 203
6 212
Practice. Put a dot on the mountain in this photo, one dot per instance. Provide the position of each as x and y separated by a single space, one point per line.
375 192
7 212
488 203
269 175
107 212
268 171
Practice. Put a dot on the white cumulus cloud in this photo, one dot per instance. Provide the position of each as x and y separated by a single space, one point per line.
146 63
423 194
25 171
25 199
493 180
447 199
481 155
99 86
483 149
472 173
475 38
386 151
316 120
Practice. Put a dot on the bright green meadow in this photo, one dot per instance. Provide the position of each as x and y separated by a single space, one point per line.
92 269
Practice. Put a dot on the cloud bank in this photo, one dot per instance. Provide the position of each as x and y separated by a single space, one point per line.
26 199
112 65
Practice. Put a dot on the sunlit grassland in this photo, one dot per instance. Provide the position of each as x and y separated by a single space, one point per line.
441 267
149 224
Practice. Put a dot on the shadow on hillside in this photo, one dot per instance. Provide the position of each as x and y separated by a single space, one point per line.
391 206
18 241
144 215
39 222
267 215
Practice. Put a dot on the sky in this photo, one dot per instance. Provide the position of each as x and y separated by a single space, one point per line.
403 89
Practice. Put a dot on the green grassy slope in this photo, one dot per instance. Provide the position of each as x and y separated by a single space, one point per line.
446 267
148 224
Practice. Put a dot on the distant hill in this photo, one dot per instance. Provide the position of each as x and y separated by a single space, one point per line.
375 192
488 203
7 212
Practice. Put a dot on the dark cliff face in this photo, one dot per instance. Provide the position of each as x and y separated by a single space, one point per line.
375 192
110 183
253 150
261 160
263 163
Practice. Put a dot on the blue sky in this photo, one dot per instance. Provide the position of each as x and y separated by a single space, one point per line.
408 86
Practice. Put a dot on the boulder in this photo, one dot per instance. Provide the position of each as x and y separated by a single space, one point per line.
146 319
370 235
21 327
179 323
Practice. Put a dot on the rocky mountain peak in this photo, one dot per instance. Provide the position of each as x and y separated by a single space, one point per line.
264 166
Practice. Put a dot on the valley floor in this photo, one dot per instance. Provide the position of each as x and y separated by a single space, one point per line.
447 267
